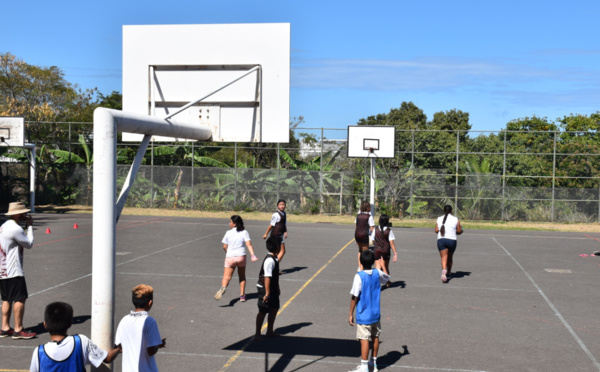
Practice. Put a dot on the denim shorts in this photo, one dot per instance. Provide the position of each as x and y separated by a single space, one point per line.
444 243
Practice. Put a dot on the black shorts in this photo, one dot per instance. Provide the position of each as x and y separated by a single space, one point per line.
14 289
361 238
270 305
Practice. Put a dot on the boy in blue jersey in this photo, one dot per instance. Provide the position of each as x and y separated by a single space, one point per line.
366 292
64 352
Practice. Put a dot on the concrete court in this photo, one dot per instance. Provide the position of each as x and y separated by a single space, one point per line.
519 301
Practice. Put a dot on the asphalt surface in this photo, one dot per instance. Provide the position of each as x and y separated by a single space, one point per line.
519 301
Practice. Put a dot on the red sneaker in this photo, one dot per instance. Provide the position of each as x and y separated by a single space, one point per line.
23 335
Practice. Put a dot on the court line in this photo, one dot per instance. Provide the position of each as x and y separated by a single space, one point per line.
122 263
239 352
556 312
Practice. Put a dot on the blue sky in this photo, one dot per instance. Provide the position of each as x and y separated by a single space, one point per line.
496 60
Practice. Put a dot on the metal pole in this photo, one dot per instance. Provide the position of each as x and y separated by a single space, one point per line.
372 194
193 161
412 164
321 175
504 179
152 174
456 174
278 166
553 177
31 146
235 170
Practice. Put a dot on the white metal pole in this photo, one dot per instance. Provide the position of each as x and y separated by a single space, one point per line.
106 124
31 146
372 197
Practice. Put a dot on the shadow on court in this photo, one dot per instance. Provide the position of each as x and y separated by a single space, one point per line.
286 348
39 328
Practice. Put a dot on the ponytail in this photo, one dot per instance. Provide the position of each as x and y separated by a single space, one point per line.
447 211
238 222
384 220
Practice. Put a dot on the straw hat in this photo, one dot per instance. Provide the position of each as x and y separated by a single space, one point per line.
16 208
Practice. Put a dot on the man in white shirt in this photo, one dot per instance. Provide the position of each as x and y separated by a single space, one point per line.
13 287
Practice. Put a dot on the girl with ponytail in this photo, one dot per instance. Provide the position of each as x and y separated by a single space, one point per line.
447 228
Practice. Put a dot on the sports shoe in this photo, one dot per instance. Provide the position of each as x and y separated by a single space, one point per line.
6 333
360 369
373 366
444 279
23 335
243 298
220 293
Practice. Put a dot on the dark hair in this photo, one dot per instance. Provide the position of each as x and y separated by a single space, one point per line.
58 318
281 200
365 206
384 220
273 244
141 295
367 259
447 211
238 222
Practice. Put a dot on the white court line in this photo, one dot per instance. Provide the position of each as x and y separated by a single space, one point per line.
321 361
122 263
556 312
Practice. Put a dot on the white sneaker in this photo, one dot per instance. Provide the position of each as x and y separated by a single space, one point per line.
220 293
444 279
359 369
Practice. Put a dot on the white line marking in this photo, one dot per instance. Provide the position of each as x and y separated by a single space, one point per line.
123 263
556 312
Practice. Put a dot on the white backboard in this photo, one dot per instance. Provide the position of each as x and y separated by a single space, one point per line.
12 131
168 66
369 141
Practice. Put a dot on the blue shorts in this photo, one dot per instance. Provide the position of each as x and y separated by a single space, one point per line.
444 243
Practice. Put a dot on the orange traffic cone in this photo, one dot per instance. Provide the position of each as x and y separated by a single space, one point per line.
48 230
75 226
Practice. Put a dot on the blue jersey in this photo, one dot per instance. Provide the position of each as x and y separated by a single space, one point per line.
368 309
73 363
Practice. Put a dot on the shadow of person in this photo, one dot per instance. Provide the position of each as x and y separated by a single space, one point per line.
292 328
293 269
396 284
249 296
39 328
459 274
391 358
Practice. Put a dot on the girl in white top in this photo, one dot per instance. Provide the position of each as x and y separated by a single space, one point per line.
235 243
447 228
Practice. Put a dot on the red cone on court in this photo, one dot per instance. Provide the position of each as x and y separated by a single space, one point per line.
48 231
75 226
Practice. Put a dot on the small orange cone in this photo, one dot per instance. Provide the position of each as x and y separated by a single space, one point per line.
48 230
75 226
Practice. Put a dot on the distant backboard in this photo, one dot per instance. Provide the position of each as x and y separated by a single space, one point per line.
12 131
368 141
237 77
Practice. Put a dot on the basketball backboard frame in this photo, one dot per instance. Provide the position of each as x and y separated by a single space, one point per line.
12 131
370 141
236 75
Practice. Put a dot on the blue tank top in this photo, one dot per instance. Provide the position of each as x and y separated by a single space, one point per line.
73 363
367 306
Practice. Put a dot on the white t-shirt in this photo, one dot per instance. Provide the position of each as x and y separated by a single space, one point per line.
450 227
12 242
236 242
276 217
60 351
357 283
136 333
268 267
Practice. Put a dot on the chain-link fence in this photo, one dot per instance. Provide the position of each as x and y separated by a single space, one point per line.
317 177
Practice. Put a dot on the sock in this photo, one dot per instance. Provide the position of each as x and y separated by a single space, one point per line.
364 364
374 359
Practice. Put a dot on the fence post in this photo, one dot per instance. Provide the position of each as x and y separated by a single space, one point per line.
414 169
192 204
456 172
321 175
504 178
553 177
235 170
152 174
